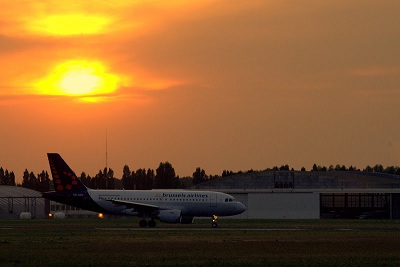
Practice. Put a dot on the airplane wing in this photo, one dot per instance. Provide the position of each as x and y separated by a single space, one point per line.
137 205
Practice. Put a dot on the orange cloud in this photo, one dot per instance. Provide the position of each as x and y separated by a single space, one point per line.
65 18
70 24
42 39
376 71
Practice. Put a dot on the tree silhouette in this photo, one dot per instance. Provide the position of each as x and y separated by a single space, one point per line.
140 179
32 181
43 183
12 179
165 176
2 176
284 168
149 184
103 180
110 180
25 179
85 179
227 173
127 179
378 168
6 178
199 176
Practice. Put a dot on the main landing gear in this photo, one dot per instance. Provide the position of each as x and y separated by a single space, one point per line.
143 223
214 221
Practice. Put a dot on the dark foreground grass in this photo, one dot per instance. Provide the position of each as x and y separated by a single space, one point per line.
93 243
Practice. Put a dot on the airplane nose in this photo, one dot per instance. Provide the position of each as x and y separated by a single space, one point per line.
240 208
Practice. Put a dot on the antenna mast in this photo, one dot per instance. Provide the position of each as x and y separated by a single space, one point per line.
106 174
106 151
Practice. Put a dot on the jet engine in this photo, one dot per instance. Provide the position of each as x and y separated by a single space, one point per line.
169 216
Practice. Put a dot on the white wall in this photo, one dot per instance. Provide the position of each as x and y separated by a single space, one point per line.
279 205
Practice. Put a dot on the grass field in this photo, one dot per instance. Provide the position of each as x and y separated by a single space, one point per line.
119 242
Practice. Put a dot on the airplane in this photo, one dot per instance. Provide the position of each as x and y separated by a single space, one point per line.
165 205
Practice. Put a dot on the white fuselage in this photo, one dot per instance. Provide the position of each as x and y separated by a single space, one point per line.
191 203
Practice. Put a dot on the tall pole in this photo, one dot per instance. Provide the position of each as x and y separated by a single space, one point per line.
106 174
106 150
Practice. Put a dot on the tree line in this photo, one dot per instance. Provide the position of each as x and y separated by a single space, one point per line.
164 177
142 179
6 177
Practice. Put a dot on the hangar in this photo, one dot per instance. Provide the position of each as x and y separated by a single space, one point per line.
267 195
15 200
312 195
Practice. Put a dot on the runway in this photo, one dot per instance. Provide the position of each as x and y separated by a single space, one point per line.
156 229
153 229
196 229
189 229
241 229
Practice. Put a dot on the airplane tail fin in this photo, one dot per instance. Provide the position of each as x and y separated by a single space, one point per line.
64 178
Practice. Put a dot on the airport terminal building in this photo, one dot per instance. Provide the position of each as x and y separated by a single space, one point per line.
312 195
267 195
16 201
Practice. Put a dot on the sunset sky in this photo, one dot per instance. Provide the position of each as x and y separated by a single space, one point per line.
221 85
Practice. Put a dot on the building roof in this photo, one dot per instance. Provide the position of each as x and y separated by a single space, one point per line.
16 191
304 180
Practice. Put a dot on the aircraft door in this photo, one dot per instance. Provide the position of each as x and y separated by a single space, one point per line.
213 200
159 198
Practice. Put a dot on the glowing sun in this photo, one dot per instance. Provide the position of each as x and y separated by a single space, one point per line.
79 82
79 78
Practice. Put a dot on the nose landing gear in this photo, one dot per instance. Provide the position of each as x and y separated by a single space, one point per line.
143 223
214 221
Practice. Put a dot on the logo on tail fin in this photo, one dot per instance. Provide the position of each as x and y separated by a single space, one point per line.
63 177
